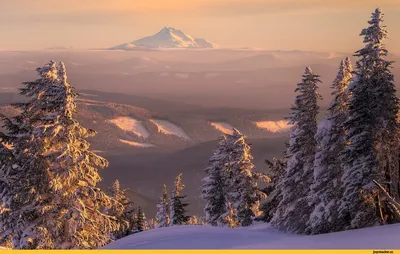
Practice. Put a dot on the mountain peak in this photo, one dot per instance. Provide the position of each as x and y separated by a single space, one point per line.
168 37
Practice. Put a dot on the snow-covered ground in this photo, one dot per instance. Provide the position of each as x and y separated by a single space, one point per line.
132 125
225 128
137 144
274 126
169 128
258 236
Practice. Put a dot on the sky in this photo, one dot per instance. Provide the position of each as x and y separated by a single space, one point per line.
314 25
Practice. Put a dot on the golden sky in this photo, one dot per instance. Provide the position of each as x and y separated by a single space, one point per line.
318 25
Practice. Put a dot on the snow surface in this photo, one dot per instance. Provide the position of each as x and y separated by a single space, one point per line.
136 144
225 128
168 37
130 124
258 236
274 126
169 128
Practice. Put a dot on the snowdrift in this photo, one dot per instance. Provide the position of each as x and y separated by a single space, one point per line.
258 236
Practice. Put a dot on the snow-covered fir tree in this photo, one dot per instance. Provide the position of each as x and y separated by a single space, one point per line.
268 207
177 206
371 131
141 224
162 217
125 216
231 179
230 216
294 210
152 223
326 188
243 191
377 72
214 186
55 202
6 163
193 220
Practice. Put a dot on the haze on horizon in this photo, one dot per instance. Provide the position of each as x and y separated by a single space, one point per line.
314 25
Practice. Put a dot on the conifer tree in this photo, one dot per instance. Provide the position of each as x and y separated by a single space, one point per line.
193 220
141 220
371 131
293 210
214 186
177 206
55 202
244 193
326 188
152 223
124 216
6 162
162 217
277 169
230 216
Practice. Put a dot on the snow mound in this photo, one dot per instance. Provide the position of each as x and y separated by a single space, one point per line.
136 144
225 128
258 236
169 128
131 125
168 37
274 126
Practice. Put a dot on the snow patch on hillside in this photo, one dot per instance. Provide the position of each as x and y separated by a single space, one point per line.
258 236
136 144
131 125
169 128
225 128
274 126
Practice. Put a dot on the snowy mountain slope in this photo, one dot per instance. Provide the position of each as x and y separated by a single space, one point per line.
258 236
168 37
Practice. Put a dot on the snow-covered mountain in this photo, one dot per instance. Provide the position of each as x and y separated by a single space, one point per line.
168 37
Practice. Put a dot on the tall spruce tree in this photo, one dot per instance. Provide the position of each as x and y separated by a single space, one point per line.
177 206
141 221
326 188
243 192
294 210
125 216
268 207
55 202
6 164
214 186
230 216
371 131
162 217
